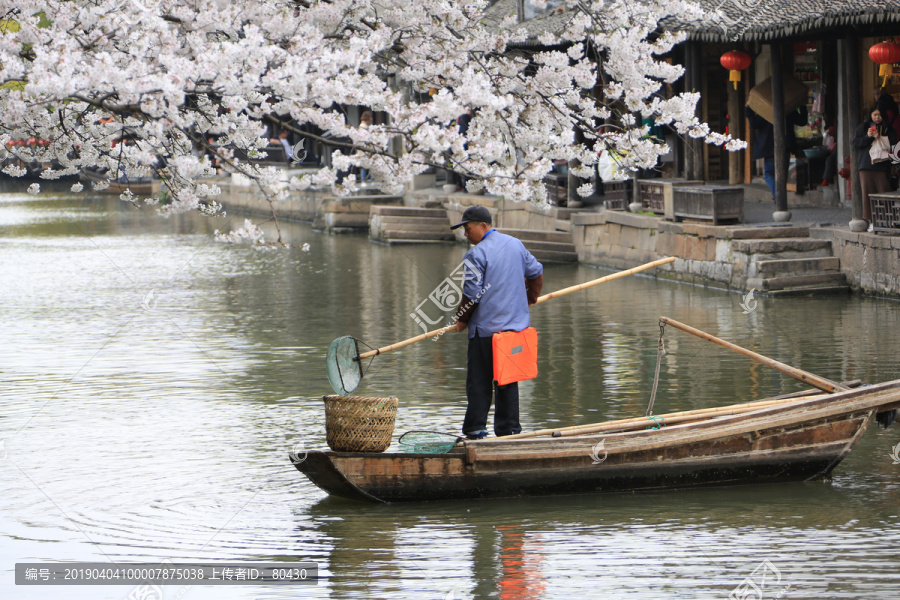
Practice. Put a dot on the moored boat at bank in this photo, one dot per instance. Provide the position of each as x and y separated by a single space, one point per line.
778 440
143 186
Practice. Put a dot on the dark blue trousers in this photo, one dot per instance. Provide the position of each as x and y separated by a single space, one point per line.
480 390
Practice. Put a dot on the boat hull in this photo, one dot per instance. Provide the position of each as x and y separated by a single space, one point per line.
797 442
141 187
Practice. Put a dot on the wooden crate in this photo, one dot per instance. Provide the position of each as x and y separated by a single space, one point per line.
651 193
616 194
886 213
557 192
708 203
656 194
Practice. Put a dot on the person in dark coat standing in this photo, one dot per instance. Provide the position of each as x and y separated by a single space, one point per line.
462 122
502 280
873 178
887 106
764 140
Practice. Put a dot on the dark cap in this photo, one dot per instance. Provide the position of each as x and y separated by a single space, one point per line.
476 214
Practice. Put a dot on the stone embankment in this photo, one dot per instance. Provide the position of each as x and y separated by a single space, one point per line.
771 258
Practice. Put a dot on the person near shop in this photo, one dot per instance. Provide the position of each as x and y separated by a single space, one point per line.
829 142
764 140
365 121
887 106
462 124
502 280
283 140
874 177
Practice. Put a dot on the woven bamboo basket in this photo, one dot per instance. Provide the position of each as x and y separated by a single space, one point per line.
359 424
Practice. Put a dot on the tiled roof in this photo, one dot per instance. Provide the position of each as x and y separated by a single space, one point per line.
553 22
735 20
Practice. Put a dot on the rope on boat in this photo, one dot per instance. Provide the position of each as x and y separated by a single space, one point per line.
660 352
660 422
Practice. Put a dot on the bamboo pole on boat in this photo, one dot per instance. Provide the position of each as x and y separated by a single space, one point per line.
808 378
544 298
587 284
676 417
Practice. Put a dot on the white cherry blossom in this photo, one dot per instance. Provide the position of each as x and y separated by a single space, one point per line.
171 75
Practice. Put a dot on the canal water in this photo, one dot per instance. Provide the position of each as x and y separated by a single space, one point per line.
153 381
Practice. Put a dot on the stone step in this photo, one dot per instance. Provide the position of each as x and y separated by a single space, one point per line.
565 214
408 211
386 220
414 234
377 227
539 236
767 232
330 220
812 290
396 241
798 266
782 245
552 256
536 246
366 197
563 226
802 281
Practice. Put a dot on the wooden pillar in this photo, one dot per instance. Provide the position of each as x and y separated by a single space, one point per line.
749 163
735 128
635 204
781 153
851 88
689 50
699 172
828 57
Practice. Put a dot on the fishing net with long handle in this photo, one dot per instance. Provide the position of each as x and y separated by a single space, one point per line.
343 366
428 442
344 362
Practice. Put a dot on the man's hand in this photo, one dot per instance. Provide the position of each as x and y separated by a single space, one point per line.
461 326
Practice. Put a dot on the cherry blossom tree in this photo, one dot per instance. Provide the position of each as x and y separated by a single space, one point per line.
172 75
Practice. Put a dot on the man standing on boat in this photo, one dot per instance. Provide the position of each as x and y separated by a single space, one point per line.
502 280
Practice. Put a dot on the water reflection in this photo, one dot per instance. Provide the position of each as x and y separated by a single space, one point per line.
698 544
148 427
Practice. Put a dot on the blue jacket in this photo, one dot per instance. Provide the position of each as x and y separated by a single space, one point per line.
496 270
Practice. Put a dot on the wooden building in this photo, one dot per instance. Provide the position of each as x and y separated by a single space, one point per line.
823 44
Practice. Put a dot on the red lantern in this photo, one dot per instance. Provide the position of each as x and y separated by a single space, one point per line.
885 54
735 61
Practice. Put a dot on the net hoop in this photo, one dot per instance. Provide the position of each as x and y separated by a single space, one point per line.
428 442
342 365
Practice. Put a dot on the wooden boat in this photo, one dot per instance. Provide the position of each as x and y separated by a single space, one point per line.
786 439
144 186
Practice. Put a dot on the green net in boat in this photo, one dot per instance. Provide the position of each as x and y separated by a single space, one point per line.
428 442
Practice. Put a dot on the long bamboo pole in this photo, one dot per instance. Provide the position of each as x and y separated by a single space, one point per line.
584 286
544 298
808 378
670 418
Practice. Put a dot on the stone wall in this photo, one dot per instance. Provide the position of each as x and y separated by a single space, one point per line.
622 240
615 239
239 195
349 214
716 256
870 262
